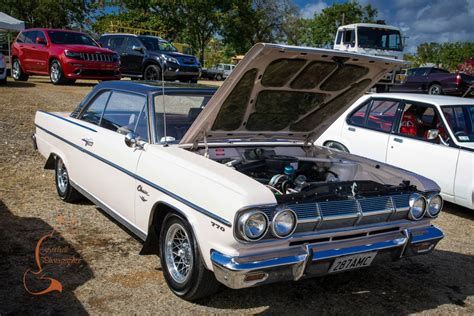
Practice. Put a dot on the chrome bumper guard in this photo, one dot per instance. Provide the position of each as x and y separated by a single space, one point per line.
312 260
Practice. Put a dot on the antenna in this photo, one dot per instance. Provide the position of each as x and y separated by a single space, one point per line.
164 107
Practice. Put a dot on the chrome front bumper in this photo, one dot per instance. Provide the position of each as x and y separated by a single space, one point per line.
312 260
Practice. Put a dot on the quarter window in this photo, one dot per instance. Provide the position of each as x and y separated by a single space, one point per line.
96 108
358 117
123 114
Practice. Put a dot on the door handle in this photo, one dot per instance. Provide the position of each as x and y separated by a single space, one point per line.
398 140
88 142
352 129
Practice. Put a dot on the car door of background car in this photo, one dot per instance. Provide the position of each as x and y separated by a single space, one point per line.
366 130
40 54
28 51
410 149
132 60
112 163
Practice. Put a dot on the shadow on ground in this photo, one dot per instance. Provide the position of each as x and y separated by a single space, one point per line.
18 238
18 84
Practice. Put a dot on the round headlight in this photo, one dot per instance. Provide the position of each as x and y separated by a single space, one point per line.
283 223
253 225
435 204
417 207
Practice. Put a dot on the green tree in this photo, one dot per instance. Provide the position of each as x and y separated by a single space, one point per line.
48 13
322 28
446 55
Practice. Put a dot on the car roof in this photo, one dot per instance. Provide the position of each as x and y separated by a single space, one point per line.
146 87
439 100
48 29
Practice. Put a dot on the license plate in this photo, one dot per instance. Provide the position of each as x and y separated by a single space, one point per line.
353 262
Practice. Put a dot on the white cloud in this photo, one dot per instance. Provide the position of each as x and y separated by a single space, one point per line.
310 9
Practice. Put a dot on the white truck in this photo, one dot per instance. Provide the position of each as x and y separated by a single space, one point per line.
372 39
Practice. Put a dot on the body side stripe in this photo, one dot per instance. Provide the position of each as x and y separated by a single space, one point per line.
69 121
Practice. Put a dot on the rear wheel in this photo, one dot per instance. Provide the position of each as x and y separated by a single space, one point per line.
435 89
17 71
181 261
152 72
56 74
63 184
218 77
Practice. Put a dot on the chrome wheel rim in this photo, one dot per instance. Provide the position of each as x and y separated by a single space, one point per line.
54 72
178 253
151 74
63 177
435 90
16 70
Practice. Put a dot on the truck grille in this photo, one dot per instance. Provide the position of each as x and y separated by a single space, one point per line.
187 60
342 213
97 57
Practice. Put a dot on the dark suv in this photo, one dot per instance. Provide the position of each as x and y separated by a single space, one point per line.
149 57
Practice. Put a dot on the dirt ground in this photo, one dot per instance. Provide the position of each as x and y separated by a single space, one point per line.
107 275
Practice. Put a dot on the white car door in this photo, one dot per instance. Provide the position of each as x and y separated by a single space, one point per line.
409 147
111 162
367 130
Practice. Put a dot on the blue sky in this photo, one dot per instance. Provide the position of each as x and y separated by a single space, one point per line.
420 20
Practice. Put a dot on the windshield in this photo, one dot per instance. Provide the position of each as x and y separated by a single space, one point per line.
157 44
461 121
181 111
70 38
379 38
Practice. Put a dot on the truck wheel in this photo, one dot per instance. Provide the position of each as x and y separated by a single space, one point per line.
435 89
17 72
65 190
218 77
181 261
336 146
152 72
56 74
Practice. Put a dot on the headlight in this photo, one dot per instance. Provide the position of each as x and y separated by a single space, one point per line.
72 54
169 58
435 204
283 223
417 207
252 225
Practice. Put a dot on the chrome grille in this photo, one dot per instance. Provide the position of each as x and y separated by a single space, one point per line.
358 209
97 57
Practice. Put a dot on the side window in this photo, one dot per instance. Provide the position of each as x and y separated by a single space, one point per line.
30 37
418 120
339 37
116 42
123 114
358 117
41 35
95 109
132 41
21 38
382 115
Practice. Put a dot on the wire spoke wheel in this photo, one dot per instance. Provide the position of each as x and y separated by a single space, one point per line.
178 253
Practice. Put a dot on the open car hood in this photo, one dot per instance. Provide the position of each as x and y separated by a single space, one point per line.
286 92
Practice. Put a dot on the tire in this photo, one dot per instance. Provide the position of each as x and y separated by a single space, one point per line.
435 89
189 283
63 186
3 81
218 77
152 72
193 81
17 71
336 146
56 74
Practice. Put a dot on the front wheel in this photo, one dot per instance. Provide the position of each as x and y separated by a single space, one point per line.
63 183
435 89
17 72
152 72
181 261
56 74
219 77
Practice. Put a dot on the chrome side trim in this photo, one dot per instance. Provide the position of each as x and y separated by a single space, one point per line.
142 235
65 119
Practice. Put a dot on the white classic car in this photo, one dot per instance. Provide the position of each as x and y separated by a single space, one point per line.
429 135
227 187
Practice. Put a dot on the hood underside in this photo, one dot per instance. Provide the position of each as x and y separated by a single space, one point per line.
286 92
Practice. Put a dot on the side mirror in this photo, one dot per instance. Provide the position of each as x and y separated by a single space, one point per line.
138 48
132 141
432 134
40 40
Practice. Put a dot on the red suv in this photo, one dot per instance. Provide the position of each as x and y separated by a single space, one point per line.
63 55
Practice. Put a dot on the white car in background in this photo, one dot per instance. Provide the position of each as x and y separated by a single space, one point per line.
3 70
430 135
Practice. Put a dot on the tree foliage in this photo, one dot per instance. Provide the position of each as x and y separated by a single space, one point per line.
48 13
322 28
446 55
